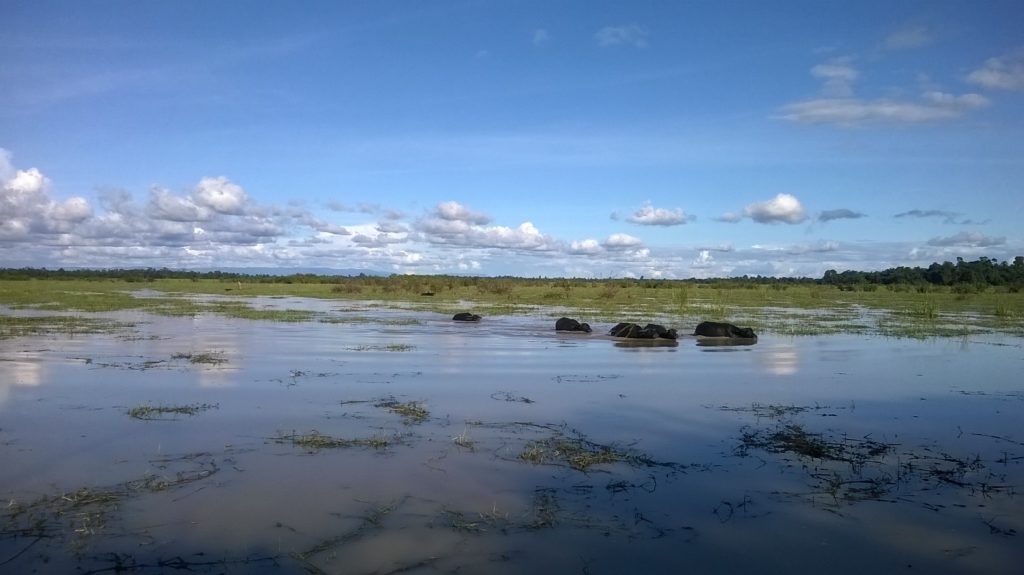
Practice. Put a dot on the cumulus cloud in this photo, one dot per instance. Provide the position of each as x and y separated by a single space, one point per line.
839 214
649 215
220 195
627 34
704 259
783 208
1002 73
454 224
622 242
26 207
164 205
454 211
968 239
585 247
74 209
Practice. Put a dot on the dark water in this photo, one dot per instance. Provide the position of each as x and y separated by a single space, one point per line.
924 451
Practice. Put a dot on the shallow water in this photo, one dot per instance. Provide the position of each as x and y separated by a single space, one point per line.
926 453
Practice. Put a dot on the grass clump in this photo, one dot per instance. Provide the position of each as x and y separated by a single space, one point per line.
154 412
578 453
391 347
411 411
20 326
316 441
208 358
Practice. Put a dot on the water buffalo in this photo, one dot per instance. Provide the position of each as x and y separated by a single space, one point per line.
721 329
569 324
649 331
466 316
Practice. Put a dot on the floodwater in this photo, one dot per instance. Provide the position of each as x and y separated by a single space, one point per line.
851 454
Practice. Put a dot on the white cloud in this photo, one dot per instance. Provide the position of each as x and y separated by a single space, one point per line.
622 242
585 247
730 217
704 259
164 205
839 106
783 208
838 76
220 195
454 211
74 209
649 215
852 111
628 34
1002 73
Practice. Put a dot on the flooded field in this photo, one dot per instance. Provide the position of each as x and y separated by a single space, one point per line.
381 440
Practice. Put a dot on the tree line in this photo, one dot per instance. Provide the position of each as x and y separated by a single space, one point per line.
982 272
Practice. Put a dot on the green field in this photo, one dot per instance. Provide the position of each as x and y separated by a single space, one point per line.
787 308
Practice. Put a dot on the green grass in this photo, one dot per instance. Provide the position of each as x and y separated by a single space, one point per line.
780 308
316 441
411 411
153 412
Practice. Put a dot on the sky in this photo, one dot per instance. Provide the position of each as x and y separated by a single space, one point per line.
657 139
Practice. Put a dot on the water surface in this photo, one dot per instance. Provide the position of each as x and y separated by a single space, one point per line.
704 469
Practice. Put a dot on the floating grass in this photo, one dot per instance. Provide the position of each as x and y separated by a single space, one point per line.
164 412
207 358
411 411
316 441
391 347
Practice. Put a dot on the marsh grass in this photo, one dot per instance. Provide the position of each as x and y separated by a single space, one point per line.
315 441
390 347
76 515
578 453
167 412
909 310
845 470
411 411
204 358
20 326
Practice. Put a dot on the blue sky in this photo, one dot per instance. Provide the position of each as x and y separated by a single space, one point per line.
594 139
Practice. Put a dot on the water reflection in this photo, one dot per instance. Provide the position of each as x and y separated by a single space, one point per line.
26 371
780 358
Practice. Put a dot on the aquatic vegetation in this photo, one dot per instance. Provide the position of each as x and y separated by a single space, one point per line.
78 514
411 411
676 303
579 453
315 441
208 358
20 326
154 412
